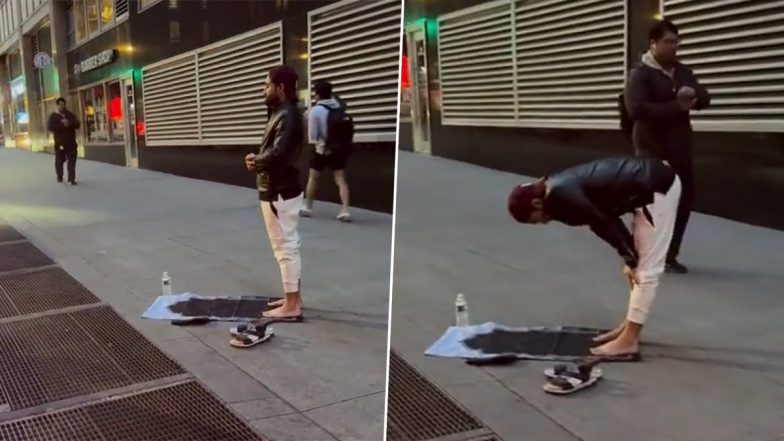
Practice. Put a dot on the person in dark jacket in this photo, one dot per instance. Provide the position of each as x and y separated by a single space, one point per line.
659 95
596 194
63 125
278 184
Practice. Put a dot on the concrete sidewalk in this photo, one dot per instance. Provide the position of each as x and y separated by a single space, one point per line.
120 228
714 367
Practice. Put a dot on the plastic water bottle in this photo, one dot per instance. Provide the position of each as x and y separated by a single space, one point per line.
461 311
166 285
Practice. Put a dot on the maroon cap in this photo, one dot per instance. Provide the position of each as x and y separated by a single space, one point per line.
520 202
284 75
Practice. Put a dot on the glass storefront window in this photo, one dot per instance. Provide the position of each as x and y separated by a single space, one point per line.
79 22
93 25
21 119
107 13
116 120
94 106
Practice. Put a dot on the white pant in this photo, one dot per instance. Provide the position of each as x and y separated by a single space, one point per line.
281 218
652 240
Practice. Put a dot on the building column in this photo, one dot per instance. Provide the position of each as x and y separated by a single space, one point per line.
36 129
58 20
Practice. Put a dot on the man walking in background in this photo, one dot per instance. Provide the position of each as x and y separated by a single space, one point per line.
63 125
328 115
277 180
659 95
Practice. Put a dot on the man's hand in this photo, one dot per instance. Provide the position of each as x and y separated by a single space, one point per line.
65 122
631 276
250 162
686 92
686 98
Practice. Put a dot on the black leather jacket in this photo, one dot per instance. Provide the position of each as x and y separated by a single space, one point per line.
277 173
598 193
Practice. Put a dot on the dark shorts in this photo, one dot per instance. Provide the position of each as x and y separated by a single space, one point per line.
331 161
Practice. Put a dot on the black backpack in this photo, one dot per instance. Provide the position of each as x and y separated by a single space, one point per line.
340 130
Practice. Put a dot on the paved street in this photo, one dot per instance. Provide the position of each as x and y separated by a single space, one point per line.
714 366
120 228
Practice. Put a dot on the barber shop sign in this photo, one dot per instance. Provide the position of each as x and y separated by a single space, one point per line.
94 62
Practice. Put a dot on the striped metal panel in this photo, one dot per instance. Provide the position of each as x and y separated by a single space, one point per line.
533 63
571 62
355 45
213 95
476 55
231 86
736 49
121 9
170 102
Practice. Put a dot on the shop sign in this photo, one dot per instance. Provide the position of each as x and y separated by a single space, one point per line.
41 60
94 62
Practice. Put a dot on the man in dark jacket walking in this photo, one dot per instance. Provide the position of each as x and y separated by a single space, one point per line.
278 184
659 95
63 125
597 194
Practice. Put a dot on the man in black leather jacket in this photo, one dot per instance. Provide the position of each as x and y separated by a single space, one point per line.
596 194
659 95
278 184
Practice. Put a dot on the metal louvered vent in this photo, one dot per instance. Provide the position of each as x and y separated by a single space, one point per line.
121 9
355 45
34 47
211 96
472 43
736 50
231 86
554 63
571 59
170 102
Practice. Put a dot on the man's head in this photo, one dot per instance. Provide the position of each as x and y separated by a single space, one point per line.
323 89
663 42
60 104
526 203
280 85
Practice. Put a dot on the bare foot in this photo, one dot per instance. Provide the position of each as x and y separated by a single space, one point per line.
611 335
615 347
284 311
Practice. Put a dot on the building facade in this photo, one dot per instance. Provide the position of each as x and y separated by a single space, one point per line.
532 86
176 86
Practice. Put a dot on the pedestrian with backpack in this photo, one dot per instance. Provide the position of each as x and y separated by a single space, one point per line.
331 130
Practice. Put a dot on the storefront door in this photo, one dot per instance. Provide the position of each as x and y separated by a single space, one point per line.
129 113
420 103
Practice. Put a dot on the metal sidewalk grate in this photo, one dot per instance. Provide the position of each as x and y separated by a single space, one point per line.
185 411
8 233
61 356
41 291
418 409
16 256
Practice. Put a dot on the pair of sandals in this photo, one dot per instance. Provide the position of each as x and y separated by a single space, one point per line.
258 331
564 379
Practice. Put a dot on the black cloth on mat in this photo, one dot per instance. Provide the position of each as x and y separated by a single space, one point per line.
564 342
240 307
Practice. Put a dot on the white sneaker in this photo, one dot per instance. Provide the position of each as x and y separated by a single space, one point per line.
344 217
305 212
